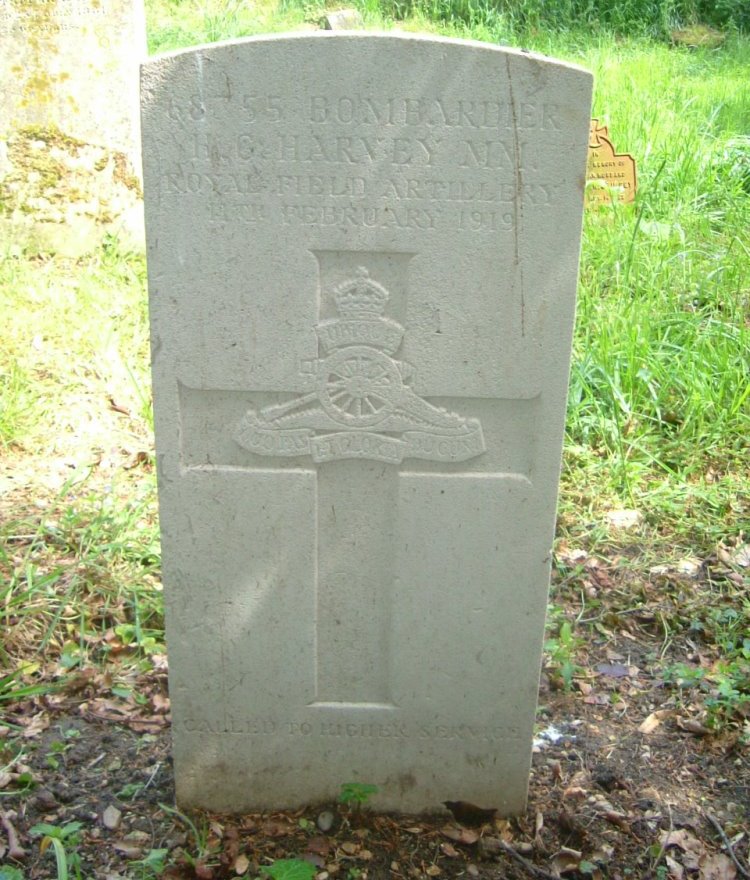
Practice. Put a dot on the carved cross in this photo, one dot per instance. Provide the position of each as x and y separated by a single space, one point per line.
361 429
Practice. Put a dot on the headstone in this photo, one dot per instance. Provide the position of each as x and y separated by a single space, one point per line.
343 20
610 176
69 132
362 289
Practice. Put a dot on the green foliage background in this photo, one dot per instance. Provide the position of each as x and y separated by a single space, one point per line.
629 16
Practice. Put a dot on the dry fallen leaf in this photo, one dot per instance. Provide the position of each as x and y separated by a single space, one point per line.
35 725
654 720
597 700
128 849
203 871
160 703
691 847
739 556
275 828
623 519
690 567
241 864
717 867
458 834
566 860
676 871
613 670
690 725
538 823
319 845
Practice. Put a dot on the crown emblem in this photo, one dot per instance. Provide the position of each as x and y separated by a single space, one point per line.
361 297
360 302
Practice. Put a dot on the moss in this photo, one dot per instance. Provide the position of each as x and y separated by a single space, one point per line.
35 173
52 136
39 169
28 162
124 174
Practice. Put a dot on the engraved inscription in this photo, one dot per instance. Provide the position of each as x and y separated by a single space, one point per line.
382 112
363 405
610 176
405 730
48 16
399 163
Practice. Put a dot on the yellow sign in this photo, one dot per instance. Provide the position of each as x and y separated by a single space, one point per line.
610 176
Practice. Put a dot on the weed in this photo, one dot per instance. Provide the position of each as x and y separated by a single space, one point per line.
201 857
357 794
725 686
561 649
289 869
130 791
152 865
63 840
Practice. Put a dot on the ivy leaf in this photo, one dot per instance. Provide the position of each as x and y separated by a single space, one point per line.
289 869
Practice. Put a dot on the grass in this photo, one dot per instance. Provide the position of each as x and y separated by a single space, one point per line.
659 410
78 540
661 377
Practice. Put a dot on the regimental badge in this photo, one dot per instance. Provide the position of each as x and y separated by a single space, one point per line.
363 405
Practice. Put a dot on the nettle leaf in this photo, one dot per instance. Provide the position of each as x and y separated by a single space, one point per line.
357 792
289 869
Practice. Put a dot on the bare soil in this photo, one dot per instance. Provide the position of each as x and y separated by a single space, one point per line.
627 781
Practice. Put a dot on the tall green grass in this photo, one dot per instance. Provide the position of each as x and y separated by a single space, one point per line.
75 346
645 17
660 387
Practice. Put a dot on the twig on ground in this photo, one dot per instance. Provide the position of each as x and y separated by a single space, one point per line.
153 775
15 850
662 848
727 845
526 864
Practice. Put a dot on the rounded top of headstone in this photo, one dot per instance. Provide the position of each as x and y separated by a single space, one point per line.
358 40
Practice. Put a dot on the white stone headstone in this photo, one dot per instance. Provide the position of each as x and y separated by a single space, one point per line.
362 255
69 121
